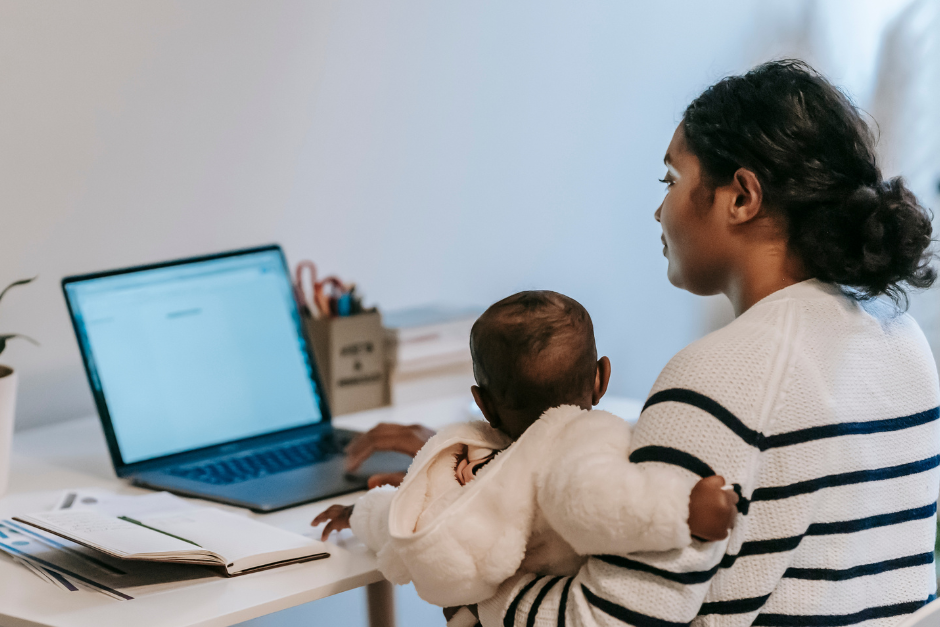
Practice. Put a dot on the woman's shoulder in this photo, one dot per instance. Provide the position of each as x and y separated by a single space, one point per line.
812 325
741 350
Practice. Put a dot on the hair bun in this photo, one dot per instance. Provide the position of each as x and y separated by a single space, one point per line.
884 235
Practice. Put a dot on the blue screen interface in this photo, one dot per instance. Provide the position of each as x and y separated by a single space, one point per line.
197 354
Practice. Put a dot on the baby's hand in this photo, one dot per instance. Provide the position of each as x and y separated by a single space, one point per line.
463 470
470 460
712 509
338 517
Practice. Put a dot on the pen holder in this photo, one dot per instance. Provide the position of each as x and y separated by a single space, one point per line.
350 355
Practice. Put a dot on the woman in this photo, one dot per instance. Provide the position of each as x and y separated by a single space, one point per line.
818 401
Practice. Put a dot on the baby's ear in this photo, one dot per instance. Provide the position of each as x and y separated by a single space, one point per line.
601 380
485 403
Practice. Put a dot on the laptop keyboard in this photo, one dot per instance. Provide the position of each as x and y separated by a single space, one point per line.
245 466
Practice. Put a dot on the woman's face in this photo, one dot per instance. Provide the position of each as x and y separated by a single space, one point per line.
694 234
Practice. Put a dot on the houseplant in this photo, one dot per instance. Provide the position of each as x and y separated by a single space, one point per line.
8 381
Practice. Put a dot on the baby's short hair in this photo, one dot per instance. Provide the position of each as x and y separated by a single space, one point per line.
534 350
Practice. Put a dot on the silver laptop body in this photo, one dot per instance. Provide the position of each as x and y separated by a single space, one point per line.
205 384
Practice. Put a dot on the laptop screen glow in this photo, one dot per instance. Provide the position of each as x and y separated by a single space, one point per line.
197 354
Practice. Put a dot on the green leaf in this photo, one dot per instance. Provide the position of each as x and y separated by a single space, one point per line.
10 336
14 284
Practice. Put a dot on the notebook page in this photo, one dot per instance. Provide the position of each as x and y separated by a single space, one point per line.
108 533
229 535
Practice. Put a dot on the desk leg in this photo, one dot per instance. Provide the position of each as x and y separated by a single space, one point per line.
381 601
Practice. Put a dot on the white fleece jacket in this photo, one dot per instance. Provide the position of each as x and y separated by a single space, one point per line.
562 491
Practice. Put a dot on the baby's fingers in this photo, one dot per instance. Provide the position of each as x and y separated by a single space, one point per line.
715 482
329 513
333 525
731 500
731 497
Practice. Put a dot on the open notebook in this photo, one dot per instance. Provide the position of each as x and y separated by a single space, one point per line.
201 535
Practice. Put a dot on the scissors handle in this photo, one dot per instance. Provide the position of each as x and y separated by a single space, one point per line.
307 303
315 300
322 300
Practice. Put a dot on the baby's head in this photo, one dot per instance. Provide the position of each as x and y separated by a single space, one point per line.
533 351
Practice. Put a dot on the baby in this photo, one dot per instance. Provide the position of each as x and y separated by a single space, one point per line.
542 483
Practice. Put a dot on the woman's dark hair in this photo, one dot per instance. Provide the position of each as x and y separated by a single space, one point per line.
815 159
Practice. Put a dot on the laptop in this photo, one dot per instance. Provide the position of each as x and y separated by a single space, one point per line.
205 383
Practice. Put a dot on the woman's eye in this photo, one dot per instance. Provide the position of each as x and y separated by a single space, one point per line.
668 182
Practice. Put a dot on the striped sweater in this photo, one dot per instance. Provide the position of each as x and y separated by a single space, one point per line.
823 411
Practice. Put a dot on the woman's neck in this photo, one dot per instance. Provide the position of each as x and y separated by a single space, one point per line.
764 268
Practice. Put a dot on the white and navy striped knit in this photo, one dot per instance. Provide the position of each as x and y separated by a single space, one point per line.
823 412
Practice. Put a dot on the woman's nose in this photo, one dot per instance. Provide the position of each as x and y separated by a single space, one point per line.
659 211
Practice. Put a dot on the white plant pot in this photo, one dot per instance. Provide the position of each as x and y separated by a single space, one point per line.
7 407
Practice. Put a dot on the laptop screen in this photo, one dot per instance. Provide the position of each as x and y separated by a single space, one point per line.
196 354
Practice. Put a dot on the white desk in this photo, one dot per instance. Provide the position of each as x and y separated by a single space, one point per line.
50 459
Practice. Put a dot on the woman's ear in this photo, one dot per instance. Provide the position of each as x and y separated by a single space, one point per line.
601 379
485 403
747 196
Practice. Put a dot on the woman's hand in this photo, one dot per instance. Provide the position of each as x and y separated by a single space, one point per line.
338 517
712 509
407 439
393 479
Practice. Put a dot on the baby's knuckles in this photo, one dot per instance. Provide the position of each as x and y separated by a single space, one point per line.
711 509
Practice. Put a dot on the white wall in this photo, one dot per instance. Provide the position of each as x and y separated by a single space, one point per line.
430 151
904 101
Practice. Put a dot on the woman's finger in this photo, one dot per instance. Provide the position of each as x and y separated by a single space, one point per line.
379 438
407 439
421 434
360 441
386 478
357 443
354 459
379 431
399 442
402 442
